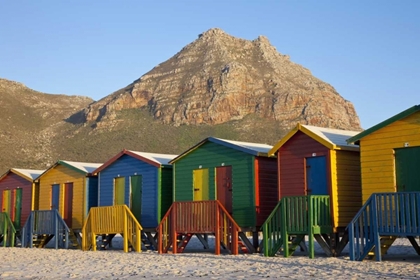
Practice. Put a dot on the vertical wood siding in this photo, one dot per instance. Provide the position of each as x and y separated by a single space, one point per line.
291 160
211 155
126 166
60 175
267 190
165 191
346 196
12 181
377 154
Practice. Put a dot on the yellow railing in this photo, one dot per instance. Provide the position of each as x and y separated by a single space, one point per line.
111 220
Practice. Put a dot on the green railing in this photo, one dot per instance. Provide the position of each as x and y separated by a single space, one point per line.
296 215
7 230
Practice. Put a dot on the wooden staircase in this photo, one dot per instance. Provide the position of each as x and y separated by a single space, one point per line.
383 218
7 230
294 218
42 226
185 219
108 221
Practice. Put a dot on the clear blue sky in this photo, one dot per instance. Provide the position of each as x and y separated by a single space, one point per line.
368 50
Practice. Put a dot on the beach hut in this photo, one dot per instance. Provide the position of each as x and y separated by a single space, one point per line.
390 154
19 192
318 162
390 160
67 190
239 175
140 180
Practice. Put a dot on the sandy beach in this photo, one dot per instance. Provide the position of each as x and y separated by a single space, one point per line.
401 262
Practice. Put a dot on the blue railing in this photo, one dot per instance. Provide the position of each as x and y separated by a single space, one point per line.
45 222
387 214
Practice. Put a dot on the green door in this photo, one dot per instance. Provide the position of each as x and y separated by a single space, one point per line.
201 184
136 196
18 208
119 191
407 169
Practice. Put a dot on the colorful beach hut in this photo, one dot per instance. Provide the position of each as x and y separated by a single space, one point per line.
19 194
390 154
67 190
390 160
239 175
140 180
316 161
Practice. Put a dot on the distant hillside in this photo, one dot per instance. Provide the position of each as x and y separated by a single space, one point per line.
218 86
29 121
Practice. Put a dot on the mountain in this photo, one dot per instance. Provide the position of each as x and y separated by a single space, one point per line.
29 124
218 86
219 78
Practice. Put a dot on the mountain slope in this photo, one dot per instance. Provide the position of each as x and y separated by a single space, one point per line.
219 78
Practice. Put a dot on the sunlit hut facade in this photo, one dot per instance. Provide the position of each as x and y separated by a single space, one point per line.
19 194
318 161
70 188
142 181
390 154
238 174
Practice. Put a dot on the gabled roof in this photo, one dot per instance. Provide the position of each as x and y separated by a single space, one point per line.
151 158
28 174
334 139
254 149
85 168
356 138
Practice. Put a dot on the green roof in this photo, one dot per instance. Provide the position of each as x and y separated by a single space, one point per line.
356 138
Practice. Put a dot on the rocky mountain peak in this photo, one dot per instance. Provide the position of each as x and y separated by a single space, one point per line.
219 78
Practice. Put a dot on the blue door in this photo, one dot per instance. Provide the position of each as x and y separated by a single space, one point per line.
316 176
55 197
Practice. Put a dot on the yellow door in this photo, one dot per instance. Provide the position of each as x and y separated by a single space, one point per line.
7 197
201 184
119 191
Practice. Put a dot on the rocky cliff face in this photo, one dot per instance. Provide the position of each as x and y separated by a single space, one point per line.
219 78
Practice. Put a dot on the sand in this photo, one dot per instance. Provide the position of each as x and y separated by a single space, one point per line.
401 262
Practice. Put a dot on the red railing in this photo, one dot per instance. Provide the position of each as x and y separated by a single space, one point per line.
198 217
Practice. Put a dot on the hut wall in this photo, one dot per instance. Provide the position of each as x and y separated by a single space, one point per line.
61 175
127 166
210 156
291 159
377 154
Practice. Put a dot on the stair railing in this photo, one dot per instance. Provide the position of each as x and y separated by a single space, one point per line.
45 222
383 214
204 217
111 220
7 230
300 215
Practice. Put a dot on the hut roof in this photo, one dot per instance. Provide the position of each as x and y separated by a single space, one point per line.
255 149
356 138
151 158
334 139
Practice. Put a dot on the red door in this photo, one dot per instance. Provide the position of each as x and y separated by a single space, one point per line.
68 204
224 186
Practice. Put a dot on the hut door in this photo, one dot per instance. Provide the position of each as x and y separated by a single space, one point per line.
68 204
224 186
316 176
407 163
119 191
18 207
201 184
55 197
7 197
136 196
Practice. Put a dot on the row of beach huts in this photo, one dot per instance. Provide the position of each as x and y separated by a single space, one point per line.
338 188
